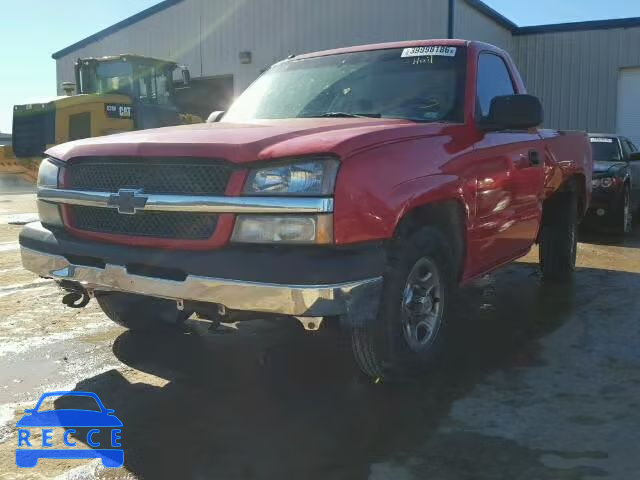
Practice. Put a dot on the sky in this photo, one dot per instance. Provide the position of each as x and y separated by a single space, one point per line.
33 29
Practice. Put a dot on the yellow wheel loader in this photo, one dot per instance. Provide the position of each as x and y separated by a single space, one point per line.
115 94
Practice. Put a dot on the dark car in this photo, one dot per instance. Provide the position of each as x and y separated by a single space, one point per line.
616 182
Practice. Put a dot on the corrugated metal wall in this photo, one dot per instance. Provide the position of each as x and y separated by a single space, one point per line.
471 24
207 35
576 74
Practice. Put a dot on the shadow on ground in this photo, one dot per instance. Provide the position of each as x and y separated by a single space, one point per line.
596 235
272 402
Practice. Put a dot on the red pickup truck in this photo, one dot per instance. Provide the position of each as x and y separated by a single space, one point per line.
361 184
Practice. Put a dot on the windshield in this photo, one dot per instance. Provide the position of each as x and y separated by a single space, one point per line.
148 83
605 149
114 77
396 83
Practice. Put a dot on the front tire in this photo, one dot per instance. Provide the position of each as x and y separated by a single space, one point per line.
559 237
624 218
138 312
407 335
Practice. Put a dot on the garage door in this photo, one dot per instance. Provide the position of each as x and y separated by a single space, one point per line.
629 104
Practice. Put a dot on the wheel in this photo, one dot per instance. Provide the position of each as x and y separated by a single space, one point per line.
138 312
624 222
559 237
406 336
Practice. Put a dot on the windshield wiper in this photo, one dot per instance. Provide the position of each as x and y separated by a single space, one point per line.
345 115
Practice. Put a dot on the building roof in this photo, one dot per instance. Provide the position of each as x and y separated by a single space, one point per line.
579 26
116 27
491 13
477 4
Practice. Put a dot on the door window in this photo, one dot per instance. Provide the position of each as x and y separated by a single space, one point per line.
494 80
626 149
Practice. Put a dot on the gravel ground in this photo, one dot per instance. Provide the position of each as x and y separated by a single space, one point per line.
538 383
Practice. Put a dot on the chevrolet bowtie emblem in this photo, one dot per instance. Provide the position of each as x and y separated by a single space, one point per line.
128 201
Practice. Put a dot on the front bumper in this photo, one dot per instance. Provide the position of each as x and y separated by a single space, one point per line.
605 206
55 257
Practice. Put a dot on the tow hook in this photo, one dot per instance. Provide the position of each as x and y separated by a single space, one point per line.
76 296
76 299
311 324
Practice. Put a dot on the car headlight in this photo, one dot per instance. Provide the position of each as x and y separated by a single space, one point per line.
304 177
48 174
288 229
605 182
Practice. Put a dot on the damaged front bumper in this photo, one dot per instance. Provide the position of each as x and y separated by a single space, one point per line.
355 300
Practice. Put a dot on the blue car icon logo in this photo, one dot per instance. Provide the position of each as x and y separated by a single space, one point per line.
104 419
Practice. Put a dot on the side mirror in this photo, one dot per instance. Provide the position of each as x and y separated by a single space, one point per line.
634 157
186 76
513 112
215 116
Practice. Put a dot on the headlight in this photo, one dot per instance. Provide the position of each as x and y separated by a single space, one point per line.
48 174
311 177
605 182
300 229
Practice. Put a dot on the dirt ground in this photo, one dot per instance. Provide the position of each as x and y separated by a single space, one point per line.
538 383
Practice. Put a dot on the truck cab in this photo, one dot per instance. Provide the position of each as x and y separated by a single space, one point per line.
147 82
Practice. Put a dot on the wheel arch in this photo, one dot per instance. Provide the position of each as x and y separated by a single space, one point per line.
448 216
577 185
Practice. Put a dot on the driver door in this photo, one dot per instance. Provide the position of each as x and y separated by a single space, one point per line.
509 177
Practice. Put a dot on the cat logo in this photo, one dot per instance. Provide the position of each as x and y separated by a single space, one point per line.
116 110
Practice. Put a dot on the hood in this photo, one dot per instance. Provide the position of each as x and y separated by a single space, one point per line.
248 142
609 167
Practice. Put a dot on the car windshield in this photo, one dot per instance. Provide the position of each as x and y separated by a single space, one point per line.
422 84
605 149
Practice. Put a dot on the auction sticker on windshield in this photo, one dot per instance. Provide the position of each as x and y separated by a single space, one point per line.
437 50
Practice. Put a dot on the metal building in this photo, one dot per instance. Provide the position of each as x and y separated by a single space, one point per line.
587 74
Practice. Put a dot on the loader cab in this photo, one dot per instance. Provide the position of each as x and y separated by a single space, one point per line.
147 82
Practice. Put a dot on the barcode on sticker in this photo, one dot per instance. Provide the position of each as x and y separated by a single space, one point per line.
437 50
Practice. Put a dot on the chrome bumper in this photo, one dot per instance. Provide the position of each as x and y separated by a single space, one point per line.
357 300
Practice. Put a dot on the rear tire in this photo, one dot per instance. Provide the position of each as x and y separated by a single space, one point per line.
140 313
559 237
407 335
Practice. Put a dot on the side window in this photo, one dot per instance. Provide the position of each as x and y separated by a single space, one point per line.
626 148
493 81
632 146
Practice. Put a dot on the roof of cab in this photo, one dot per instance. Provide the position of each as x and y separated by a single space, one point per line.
605 135
446 42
